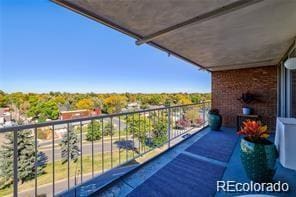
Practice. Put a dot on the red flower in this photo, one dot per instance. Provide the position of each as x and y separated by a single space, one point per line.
254 130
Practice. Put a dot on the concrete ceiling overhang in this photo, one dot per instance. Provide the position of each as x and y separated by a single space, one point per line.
214 35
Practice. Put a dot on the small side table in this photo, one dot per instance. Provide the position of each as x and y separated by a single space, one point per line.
240 118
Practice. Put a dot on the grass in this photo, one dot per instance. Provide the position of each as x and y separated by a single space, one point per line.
61 171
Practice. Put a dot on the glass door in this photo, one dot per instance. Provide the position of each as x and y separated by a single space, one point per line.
293 94
287 93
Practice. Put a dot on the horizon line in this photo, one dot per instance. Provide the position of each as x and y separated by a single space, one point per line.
72 92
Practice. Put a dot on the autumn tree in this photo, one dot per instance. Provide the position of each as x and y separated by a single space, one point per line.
114 103
182 99
85 103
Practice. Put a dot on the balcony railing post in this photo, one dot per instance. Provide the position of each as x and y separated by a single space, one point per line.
169 127
204 113
15 164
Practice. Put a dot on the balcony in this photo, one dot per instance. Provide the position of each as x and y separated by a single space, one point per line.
162 152
190 159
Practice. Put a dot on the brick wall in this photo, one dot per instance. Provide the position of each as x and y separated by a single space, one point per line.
228 85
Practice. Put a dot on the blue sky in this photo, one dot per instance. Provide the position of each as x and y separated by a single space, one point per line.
44 47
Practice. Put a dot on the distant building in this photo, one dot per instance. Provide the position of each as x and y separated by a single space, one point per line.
133 106
2 120
5 115
82 113
155 106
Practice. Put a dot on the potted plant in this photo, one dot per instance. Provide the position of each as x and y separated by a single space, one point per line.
246 99
258 154
214 119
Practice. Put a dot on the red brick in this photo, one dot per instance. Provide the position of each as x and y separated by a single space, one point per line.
228 85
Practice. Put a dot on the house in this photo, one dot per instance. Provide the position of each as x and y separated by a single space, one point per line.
5 115
81 113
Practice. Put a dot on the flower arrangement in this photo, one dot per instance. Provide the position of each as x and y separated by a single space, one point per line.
247 98
214 111
254 131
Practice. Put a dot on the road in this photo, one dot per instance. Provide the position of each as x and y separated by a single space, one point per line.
115 122
87 146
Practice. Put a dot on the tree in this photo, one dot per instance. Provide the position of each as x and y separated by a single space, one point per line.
195 98
49 110
114 103
85 103
159 130
156 99
182 99
44 110
94 131
108 129
138 126
69 146
26 158
192 114
3 99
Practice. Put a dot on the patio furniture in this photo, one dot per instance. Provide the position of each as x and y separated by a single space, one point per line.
240 118
285 141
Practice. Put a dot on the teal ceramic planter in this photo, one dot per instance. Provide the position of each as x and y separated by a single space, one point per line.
258 160
215 121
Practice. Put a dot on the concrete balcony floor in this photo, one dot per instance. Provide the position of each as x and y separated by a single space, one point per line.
192 169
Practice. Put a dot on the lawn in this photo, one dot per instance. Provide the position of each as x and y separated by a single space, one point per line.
62 173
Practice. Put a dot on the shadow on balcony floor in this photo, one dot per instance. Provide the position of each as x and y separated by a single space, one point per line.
192 169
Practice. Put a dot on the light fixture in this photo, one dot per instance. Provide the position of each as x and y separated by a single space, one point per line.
290 63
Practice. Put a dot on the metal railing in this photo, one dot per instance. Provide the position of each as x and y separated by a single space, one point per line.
66 153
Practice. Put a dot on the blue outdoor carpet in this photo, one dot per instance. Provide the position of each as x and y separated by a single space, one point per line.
217 145
183 176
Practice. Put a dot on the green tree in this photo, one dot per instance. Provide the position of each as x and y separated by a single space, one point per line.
159 129
108 129
44 110
26 158
138 126
195 98
156 99
69 146
3 99
49 110
94 131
